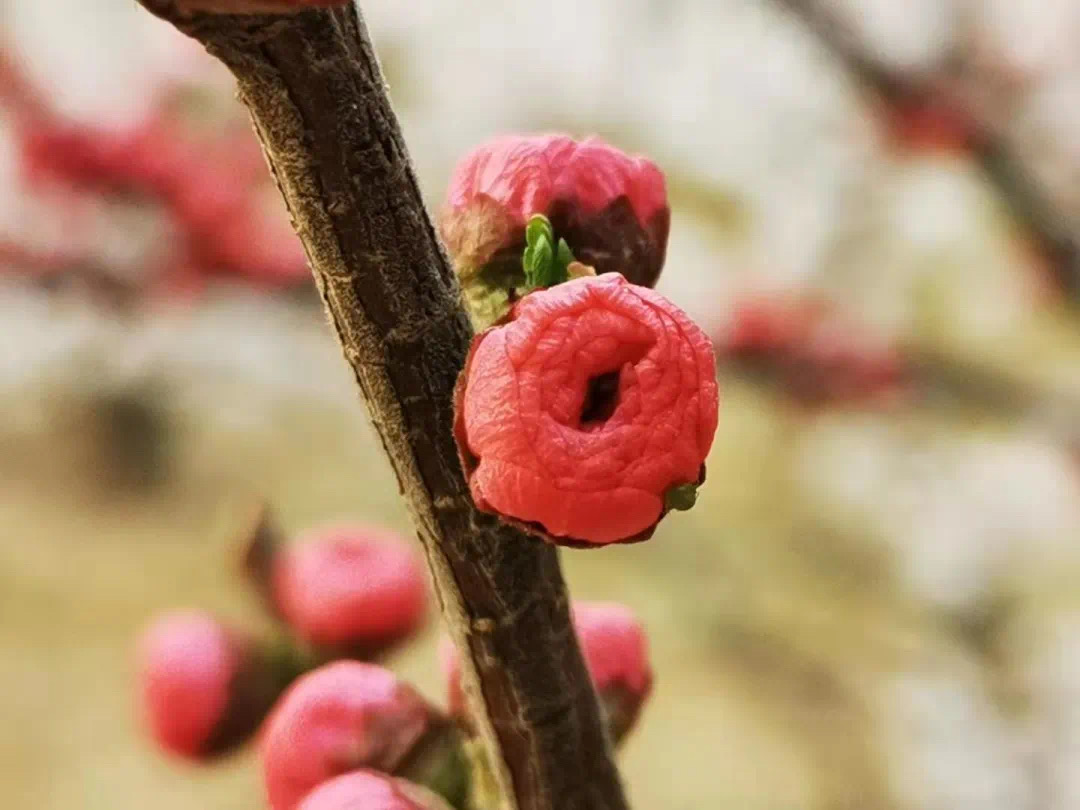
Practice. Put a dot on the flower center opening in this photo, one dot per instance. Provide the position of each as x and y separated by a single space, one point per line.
601 398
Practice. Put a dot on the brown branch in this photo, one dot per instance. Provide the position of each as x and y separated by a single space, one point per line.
1029 203
812 354
321 110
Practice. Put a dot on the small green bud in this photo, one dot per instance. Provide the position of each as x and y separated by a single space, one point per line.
682 497
538 229
545 262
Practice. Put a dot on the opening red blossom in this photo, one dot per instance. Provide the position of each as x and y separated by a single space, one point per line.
610 207
581 412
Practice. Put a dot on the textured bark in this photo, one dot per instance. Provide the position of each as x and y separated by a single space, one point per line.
321 110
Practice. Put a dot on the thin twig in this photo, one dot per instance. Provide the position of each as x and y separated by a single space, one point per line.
321 110
813 354
1029 203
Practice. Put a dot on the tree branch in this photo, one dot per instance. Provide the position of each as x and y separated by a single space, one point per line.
1021 192
321 111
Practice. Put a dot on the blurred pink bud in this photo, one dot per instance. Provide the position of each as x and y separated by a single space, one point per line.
368 790
197 693
339 718
816 354
616 652
354 589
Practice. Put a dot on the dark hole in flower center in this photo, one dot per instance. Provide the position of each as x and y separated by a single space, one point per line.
601 397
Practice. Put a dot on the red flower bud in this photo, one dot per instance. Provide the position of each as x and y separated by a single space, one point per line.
353 589
588 412
368 790
616 652
339 718
203 688
610 208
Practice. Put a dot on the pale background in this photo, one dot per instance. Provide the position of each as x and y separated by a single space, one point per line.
866 609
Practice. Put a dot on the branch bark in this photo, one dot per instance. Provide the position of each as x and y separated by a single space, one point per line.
1003 168
321 110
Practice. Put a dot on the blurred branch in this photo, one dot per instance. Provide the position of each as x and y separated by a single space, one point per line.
1029 203
939 376
17 92
319 103
814 355
205 188
58 269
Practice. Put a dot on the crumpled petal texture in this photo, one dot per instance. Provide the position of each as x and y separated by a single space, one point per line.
526 174
610 207
527 387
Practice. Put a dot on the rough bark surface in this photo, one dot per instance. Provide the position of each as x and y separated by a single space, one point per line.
321 109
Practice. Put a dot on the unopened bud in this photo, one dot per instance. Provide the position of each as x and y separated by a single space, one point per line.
349 591
347 716
203 687
616 653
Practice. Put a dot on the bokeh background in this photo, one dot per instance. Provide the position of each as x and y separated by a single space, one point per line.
874 604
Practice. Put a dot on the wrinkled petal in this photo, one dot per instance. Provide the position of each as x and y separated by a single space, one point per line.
610 207
549 449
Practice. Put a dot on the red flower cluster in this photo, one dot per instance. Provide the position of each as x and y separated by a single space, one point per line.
224 228
610 208
352 591
582 413
210 189
616 652
345 734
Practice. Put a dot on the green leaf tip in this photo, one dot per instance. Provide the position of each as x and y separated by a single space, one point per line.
538 229
545 262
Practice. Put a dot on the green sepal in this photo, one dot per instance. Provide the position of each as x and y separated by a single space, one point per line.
681 497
